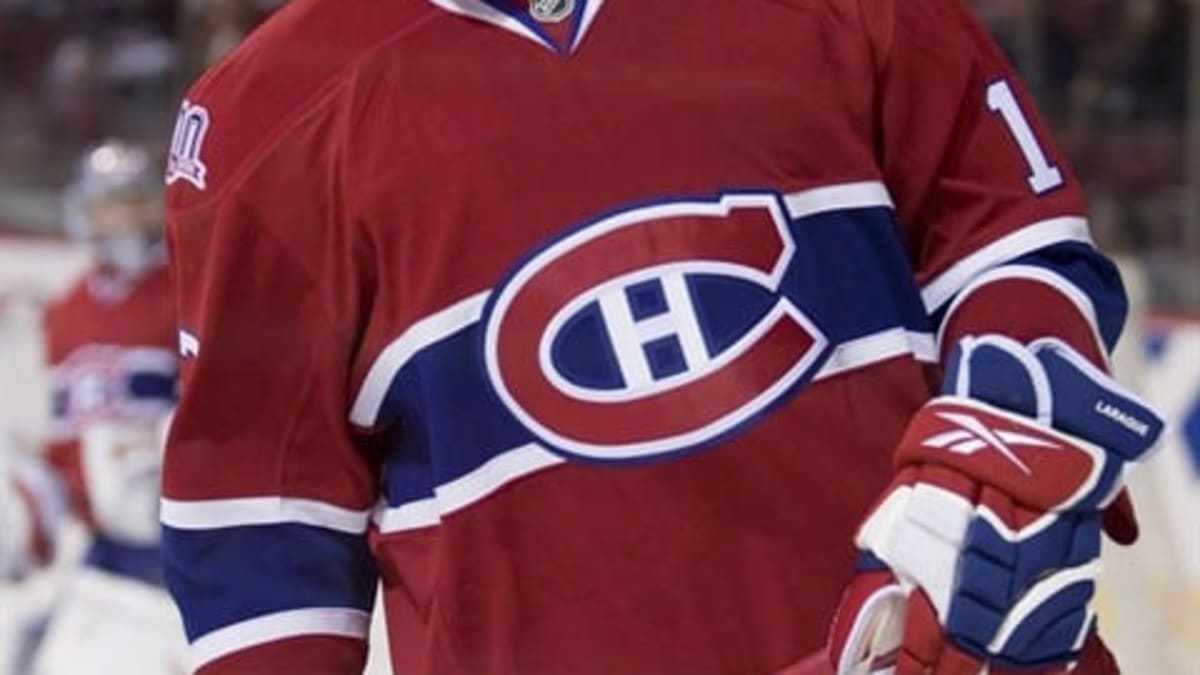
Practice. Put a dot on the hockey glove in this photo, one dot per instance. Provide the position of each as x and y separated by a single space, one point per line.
985 547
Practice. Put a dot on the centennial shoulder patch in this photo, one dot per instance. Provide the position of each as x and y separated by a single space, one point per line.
187 143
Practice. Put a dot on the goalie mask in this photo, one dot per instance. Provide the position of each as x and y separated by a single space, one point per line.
114 207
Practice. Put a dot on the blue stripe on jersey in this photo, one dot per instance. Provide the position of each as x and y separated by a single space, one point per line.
1093 274
445 404
60 401
150 385
849 274
139 387
228 575
1089 271
143 563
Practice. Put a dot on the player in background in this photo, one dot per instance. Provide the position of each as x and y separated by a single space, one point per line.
110 351
595 327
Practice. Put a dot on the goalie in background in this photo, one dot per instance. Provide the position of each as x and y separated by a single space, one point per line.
109 344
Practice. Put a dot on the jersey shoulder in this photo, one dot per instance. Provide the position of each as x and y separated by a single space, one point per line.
66 319
287 67
96 310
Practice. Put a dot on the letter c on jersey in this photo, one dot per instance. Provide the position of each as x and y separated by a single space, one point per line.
653 331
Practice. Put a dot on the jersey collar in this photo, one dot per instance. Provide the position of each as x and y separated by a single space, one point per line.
520 23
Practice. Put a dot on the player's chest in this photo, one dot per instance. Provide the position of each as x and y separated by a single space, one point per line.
141 317
111 358
656 100
634 248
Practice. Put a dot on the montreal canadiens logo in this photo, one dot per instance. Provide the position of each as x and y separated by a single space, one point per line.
652 331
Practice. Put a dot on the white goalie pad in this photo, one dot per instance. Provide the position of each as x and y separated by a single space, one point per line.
122 468
107 624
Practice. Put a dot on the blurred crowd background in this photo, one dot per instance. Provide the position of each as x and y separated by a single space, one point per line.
1114 77
1119 80
73 72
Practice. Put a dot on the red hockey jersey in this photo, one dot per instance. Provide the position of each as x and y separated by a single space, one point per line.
110 348
589 326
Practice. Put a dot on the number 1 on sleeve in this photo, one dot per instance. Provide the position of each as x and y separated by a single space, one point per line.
1043 175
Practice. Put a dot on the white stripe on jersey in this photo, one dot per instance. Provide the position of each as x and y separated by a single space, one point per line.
1083 303
1026 240
442 324
433 328
866 194
211 514
467 489
337 621
877 347
532 458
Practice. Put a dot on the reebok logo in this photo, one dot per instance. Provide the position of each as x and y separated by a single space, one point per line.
972 435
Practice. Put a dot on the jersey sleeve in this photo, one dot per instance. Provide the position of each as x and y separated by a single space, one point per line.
993 218
266 492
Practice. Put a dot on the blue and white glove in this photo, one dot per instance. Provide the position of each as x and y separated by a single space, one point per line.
984 550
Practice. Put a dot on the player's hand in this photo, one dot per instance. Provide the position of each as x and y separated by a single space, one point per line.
122 467
886 626
990 531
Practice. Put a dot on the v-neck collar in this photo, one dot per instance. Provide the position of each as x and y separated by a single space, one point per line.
505 16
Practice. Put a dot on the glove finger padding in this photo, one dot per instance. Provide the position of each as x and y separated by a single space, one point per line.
999 581
885 630
1024 599
924 650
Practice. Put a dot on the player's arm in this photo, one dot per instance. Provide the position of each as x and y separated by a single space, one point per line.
266 495
995 220
1025 310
